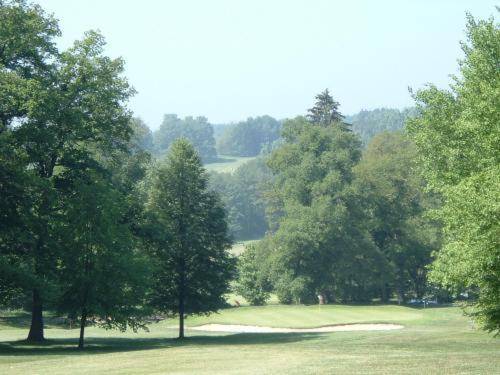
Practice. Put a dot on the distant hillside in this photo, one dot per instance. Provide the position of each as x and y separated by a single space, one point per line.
369 123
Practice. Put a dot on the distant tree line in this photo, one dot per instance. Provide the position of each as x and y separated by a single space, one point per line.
413 214
346 224
243 195
250 137
107 223
368 123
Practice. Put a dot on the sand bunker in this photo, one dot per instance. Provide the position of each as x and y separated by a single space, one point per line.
257 329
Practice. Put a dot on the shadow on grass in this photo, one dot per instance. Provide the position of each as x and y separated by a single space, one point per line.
98 345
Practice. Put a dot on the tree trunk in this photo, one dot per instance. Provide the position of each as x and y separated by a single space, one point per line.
181 320
83 321
181 306
36 328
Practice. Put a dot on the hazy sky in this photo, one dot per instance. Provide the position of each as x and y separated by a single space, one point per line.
229 59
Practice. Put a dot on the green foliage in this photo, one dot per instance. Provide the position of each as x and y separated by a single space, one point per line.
393 192
317 234
369 123
243 196
190 240
102 277
253 282
142 137
197 130
325 110
457 135
250 137
64 115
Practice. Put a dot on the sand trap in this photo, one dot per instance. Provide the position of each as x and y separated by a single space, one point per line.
257 329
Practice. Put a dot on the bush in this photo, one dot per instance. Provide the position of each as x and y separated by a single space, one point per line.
252 283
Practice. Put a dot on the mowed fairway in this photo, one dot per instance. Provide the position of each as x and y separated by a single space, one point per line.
434 341
228 164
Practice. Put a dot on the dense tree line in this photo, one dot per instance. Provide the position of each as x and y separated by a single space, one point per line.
347 225
195 129
368 123
89 228
352 226
243 195
250 137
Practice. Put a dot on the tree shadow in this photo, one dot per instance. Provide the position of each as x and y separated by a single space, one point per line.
103 345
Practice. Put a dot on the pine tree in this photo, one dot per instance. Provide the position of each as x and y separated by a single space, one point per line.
190 239
325 110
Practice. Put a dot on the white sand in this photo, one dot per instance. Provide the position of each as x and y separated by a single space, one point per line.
257 329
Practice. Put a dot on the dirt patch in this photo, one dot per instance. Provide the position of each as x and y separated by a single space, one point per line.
258 329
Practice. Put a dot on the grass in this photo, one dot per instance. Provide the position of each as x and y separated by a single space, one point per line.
434 340
228 164
239 246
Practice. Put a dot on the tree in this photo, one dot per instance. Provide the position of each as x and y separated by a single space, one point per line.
250 137
319 228
370 123
142 136
242 193
190 239
253 281
197 130
325 110
457 136
103 277
65 106
392 190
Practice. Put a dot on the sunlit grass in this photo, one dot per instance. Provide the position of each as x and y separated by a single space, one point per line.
434 340
227 163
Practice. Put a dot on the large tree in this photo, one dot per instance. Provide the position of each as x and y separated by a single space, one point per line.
394 199
457 134
319 231
190 238
102 275
65 107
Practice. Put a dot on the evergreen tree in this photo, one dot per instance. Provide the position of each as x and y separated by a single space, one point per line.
325 110
190 239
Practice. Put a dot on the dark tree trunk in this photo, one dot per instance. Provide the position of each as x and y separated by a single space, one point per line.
36 328
181 302
83 322
384 296
181 319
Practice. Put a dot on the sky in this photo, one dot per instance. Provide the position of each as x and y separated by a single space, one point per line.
231 59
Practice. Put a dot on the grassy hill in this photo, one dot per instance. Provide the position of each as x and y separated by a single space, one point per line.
227 164
434 340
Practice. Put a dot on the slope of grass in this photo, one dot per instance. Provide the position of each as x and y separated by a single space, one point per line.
239 246
434 340
228 164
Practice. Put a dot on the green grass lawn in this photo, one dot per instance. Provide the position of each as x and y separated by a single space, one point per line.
434 341
239 246
227 164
